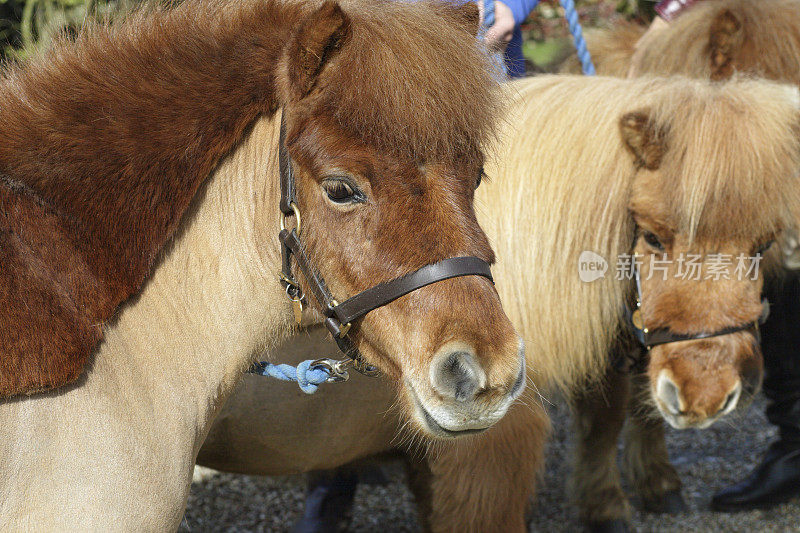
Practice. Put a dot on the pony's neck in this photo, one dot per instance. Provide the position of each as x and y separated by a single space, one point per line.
214 302
153 107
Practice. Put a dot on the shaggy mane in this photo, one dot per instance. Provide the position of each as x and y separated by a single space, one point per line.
733 153
733 158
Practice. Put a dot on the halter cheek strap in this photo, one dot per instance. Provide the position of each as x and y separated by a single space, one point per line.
339 317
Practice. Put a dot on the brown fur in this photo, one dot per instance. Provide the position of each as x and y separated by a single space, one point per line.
484 483
107 140
713 40
719 37
598 417
644 139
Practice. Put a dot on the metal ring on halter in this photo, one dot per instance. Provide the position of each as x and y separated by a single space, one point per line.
337 370
296 217
293 290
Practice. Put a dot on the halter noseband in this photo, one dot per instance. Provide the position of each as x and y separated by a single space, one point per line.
649 338
340 316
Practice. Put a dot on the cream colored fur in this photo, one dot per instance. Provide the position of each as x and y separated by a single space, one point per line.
116 452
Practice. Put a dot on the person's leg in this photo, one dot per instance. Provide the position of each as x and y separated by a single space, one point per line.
777 478
329 501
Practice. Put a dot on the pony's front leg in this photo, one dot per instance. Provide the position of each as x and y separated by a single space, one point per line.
598 417
484 483
647 464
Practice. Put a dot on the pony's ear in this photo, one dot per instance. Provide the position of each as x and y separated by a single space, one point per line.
645 140
725 41
318 37
467 15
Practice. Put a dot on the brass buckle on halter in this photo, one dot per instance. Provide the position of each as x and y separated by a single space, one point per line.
337 370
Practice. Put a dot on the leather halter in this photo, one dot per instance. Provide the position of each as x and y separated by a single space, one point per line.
340 316
649 338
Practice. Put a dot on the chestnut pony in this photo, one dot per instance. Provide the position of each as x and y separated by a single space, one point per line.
714 40
585 164
140 198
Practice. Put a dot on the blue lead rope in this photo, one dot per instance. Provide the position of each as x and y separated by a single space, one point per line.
575 29
308 377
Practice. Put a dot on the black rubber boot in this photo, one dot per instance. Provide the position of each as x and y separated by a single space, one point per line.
777 478
329 502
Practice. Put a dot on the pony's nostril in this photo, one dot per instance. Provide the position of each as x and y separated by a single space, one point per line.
669 394
731 400
457 376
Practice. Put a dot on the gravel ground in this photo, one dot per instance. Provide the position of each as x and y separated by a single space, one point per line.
707 461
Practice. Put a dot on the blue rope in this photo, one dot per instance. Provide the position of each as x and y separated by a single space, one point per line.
575 29
307 378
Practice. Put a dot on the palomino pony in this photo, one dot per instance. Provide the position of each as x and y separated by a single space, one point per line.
603 165
713 40
140 203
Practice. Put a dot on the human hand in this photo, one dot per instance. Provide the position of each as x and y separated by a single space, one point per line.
498 36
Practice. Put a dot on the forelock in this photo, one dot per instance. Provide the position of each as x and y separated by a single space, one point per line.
733 158
412 80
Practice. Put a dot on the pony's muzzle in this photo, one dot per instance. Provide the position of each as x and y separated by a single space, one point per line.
682 413
461 399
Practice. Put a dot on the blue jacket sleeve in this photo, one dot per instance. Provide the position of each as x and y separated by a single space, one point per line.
520 9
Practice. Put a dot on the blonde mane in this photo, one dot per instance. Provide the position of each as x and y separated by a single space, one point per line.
562 180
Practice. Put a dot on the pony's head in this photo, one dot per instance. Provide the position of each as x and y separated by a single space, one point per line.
708 200
387 108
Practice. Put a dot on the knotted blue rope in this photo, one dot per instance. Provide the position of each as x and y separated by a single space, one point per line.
571 14
307 377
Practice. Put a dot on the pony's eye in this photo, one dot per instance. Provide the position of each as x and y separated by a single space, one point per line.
763 248
651 239
341 191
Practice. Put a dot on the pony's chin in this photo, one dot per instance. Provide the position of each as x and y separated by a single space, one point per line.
681 422
429 424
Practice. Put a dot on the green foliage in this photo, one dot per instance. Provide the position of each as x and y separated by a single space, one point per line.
26 25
